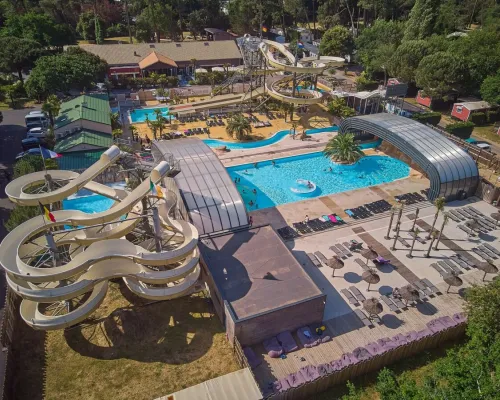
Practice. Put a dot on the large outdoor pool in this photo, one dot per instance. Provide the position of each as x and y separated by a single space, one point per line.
141 114
277 184
265 142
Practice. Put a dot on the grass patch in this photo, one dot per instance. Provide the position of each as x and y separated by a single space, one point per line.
133 350
418 366
487 132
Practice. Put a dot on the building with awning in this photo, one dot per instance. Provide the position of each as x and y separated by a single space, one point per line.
158 63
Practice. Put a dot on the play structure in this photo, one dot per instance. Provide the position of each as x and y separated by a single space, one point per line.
60 263
264 59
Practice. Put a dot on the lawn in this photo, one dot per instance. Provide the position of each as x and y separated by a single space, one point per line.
487 133
132 350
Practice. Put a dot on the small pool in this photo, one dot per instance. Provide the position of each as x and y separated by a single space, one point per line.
89 202
270 185
280 135
141 114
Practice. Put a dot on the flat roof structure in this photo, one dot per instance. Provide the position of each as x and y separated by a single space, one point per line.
255 272
211 198
453 174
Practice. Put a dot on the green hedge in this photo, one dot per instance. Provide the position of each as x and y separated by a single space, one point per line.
461 129
478 118
491 117
432 118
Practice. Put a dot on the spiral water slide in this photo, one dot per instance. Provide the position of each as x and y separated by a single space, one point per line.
97 248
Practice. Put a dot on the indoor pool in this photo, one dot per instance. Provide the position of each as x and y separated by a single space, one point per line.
306 176
265 142
141 114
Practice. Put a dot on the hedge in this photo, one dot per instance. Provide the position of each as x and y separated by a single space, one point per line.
461 129
478 118
432 118
491 116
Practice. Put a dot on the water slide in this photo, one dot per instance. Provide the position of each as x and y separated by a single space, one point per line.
98 250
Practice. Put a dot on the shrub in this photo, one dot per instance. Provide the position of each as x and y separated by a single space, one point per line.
364 83
461 129
432 118
117 30
491 117
478 118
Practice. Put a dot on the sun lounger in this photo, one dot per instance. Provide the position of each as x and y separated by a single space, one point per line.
349 296
339 218
491 248
273 348
424 289
487 251
345 251
355 291
403 242
453 217
332 218
350 213
353 245
252 359
418 238
362 316
471 264
447 268
398 302
308 337
452 266
361 264
287 341
456 215
429 284
389 303
466 230
481 253
320 256
314 260
338 252
460 262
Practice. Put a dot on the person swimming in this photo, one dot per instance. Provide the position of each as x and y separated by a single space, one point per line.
250 203
309 184
256 165
273 162
254 191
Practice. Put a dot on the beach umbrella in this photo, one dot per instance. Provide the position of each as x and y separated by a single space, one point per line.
452 280
409 293
370 277
335 263
373 306
369 254
472 225
496 217
487 268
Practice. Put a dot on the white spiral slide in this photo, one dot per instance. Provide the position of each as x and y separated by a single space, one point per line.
98 251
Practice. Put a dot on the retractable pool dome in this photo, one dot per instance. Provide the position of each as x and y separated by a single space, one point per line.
453 174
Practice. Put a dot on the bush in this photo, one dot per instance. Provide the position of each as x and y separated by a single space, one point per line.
117 30
364 83
478 118
461 129
491 117
432 118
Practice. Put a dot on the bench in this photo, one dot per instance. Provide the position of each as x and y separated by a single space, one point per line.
349 296
362 316
314 260
355 291
361 264
389 303
319 255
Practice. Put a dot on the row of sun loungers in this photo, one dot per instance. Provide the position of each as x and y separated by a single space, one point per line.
216 122
410 198
486 224
261 124
313 225
378 206
310 373
196 131
341 251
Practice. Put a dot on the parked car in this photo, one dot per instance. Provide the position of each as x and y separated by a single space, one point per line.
479 143
31 143
30 152
37 132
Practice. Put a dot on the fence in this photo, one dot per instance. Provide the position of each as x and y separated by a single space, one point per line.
309 389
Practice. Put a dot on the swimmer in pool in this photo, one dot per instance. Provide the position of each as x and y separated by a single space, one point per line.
254 191
251 203
256 165
274 163
309 184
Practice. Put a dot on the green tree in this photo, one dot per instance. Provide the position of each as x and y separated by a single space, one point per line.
17 54
337 41
490 89
99 36
50 139
439 203
115 120
14 91
437 74
404 62
155 20
343 148
238 127
198 20
450 18
422 18
338 107
86 25
19 215
52 106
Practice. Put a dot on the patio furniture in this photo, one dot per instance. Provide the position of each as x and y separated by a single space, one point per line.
423 288
339 253
452 280
381 260
349 296
460 262
308 337
454 268
355 291
409 294
418 238
314 260
362 316
392 306
491 248
466 230
480 253
403 242
446 267
429 284
398 302
487 251
287 341
273 348
335 263
370 277
320 256
487 268
361 264
344 250
372 307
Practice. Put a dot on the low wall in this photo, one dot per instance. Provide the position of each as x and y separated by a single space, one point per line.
313 379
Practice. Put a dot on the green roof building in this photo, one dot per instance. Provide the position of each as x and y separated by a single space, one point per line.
78 160
83 140
84 112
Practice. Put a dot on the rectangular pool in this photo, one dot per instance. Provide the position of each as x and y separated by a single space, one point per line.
141 114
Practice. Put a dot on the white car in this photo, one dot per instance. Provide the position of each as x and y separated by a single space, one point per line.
36 133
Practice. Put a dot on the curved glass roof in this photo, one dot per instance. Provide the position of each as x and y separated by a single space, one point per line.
452 172
211 198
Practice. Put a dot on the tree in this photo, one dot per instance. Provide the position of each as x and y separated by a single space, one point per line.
405 60
198 20
446 217
1 117
339 108
86 25
50 138
52 106
238 127
117 133
99 36
450 18
337 41
437 74
490 89
19 215
17 54
434 235
422 18
343 148
439 203
416 232
155 20
330 14
115 120
14 91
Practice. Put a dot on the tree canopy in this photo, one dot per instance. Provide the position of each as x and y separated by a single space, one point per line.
490 89
337 41
17 54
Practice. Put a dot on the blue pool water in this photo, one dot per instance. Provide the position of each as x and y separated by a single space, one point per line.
273 183
88 202
266 142
140 114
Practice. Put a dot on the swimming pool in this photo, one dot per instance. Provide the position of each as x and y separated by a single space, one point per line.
89 202
273 183
265 142
141 114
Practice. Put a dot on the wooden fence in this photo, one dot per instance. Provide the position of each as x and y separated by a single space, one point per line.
308 390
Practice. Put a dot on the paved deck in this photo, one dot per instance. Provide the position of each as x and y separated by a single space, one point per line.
347 330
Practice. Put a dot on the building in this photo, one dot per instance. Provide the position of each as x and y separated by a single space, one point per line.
312 51
173 59
433 103
463 111
90 112
215 34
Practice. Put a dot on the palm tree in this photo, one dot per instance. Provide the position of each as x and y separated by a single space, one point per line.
226 70
343 148
238 127
415 234
434 234
446 217
193 63
439 204
115 120
52 106
133 130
